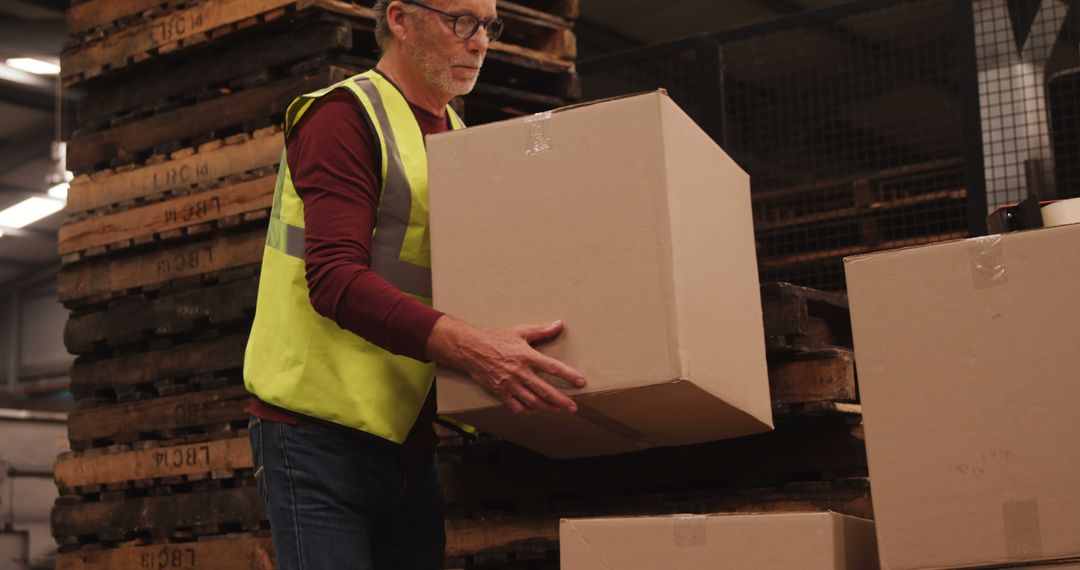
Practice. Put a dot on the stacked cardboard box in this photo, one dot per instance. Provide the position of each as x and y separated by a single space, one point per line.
970 379
807 541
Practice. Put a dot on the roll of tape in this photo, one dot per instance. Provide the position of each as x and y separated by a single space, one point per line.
1061 213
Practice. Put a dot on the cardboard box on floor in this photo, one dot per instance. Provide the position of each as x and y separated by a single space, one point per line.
969 373
780 541
624 219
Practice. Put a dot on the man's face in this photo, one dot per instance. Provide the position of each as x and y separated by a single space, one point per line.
446 61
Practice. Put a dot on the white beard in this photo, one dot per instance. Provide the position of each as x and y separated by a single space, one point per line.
437 71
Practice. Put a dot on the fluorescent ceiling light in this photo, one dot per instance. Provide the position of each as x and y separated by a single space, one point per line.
35 66
29 211
60 191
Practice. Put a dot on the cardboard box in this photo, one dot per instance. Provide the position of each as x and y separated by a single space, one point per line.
969 373
624 219
806 541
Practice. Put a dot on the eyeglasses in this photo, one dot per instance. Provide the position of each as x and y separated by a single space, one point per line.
466 25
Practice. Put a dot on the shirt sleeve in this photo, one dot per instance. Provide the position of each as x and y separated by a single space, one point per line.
333 158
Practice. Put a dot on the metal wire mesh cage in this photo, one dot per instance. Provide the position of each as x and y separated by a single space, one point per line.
849 120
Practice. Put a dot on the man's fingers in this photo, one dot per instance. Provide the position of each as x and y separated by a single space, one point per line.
514 405
533 400
559 369
525 397
534 333
553 400
544 400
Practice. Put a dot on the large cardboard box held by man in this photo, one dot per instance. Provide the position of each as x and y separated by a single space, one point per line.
969 372
780 541
624 219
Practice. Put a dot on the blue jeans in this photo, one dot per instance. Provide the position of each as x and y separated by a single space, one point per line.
343 501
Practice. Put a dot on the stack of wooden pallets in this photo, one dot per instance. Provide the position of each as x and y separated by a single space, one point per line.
176 152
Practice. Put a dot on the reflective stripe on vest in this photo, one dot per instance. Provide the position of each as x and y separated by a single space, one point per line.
395 205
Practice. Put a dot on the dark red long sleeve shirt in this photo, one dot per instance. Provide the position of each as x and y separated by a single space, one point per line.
334 160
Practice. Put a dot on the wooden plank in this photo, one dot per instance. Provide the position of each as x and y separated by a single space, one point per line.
930 169
553 20
188 410
188 359
86 151
121 520
566 9
137 320
152 220
527 57
834 253
764 222
107 188
75 469
245 553
118 274
830 378
193 77
92 14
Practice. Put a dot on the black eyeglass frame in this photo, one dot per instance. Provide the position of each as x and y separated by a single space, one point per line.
455 17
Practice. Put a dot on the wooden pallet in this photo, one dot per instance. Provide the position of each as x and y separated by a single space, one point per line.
162 319
492 473
240 551
86 17
183 516
548 39
803 320
488 103
246 111
78 472
163 177
191 262
96 18
228 69
194 213
827 376
213 411
828 201
164 372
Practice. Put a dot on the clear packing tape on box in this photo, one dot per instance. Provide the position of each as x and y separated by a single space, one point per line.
987 261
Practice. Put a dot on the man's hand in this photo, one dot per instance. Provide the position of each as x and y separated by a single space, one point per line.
502 362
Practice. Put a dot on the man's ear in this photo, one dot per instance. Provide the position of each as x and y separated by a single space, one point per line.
395 19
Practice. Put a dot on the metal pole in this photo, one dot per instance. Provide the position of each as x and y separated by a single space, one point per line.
971 117
14 344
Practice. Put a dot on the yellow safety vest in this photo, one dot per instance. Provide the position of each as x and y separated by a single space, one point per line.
302 361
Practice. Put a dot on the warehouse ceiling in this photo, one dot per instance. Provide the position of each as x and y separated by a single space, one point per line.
28 28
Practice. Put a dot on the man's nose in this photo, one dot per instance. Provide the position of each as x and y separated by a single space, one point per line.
479 41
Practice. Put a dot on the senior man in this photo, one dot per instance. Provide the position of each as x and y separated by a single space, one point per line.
342 351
